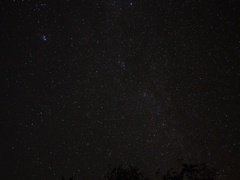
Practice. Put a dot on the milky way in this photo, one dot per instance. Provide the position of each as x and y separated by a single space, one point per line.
118 82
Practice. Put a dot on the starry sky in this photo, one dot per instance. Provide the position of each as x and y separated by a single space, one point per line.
133 82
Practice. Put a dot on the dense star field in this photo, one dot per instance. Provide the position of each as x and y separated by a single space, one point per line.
101 82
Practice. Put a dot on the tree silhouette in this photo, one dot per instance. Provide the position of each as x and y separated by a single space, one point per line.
69 179
189 172
183 172
121 173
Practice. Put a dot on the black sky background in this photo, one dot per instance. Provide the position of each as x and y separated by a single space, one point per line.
94 83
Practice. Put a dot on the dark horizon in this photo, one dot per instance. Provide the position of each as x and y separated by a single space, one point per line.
138 83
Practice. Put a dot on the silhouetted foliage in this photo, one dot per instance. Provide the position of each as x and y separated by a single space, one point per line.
190 172
121 173
69 179
183 172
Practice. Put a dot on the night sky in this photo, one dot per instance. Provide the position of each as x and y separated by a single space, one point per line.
99 82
